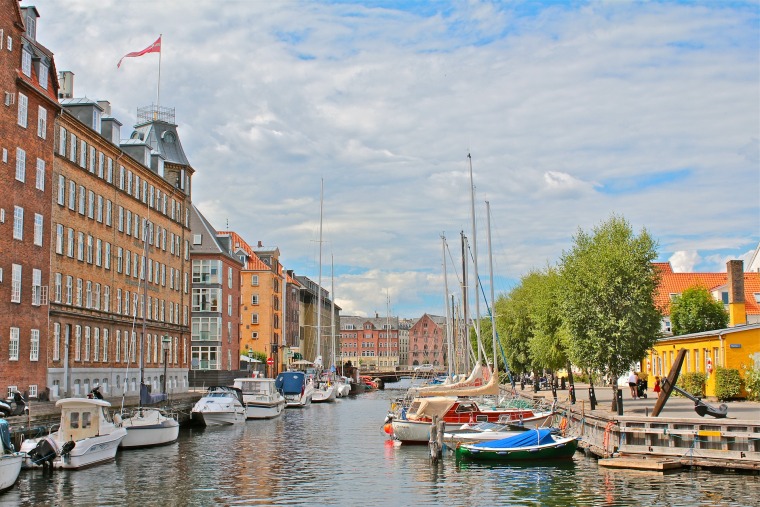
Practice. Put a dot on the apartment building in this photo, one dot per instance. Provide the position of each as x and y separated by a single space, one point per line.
120 262
216 275
313 299
29 88
427 341
370 343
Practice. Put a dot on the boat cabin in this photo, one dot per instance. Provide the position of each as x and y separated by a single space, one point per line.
83 418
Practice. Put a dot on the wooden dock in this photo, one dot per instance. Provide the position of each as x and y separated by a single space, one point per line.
641 463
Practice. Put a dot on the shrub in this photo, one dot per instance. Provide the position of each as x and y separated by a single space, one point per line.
728 383
752 382
693 383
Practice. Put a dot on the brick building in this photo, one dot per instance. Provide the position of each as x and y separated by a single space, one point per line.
427 341
216 298
28 87
370 343
120 261
313 298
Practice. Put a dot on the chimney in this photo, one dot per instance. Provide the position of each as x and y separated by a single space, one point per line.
66 84
737 313
260 244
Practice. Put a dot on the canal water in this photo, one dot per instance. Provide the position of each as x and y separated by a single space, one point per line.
337 455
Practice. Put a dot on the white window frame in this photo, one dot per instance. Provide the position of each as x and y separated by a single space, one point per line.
20 165
40 181
34 345
13 345
38 228
18 223
41 122
15 283
23 103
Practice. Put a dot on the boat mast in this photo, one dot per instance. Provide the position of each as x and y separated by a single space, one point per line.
490 269
319 283
388 326
332 308
446 304
465 338
475 262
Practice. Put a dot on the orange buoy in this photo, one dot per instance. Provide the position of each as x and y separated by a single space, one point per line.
388 428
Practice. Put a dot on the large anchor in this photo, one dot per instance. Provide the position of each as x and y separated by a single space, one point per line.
669 385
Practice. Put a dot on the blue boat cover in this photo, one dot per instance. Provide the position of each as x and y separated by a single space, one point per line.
528 438
147 398
290 382
5 436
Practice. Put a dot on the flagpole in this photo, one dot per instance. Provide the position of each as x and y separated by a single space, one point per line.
158 87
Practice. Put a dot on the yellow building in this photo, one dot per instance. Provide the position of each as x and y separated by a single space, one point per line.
737 346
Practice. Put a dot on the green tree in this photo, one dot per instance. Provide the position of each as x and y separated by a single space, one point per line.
515 329
548 346
608 305
695 310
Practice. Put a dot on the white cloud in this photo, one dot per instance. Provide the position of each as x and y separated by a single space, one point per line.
385 103
684 262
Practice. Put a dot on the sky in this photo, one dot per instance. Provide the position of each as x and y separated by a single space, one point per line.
571 112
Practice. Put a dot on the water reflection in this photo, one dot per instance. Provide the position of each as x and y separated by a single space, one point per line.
337 454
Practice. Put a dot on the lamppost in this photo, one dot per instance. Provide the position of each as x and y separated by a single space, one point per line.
165 344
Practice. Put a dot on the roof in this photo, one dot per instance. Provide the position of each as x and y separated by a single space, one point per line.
210 242
676 283
253 262
714 332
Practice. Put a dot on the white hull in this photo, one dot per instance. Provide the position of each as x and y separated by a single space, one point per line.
324 395
221 418
148 428
296 401
87 452
343 390
264 410
10 466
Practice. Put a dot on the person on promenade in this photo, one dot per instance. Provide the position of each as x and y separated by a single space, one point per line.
657 386
633 380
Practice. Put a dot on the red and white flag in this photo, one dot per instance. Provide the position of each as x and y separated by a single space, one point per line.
153 48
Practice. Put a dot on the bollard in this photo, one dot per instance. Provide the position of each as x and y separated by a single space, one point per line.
562 383
535 385
522 384
592 397
572 394
620 402
554 392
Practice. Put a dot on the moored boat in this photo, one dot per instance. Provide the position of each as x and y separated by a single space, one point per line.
534 445
297 389
148 427
220 406
86 436
10 460
261 398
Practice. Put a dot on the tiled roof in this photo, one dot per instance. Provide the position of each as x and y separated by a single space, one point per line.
676 283
253 263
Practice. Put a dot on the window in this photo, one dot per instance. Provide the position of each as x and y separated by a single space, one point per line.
13 346
70 243
23 102
87 343
83 154
90 204
62 142
99 209
255 335
40 181
37 288
18 222
254 318
43 76
20 165
58 287
26 62
80 246
106 298
206 300
16 283
255 280
206 271
78 296
56 341
38 229
82 200
72 195
34 347
96 344
105 345
61 190
108 213
42 122
77 343
69 289
229 277
107 263
254 299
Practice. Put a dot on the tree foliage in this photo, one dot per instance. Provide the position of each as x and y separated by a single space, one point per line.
515 328
695 311
608 283
548 345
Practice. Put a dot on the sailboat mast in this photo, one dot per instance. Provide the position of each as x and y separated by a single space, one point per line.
465 338
332 307
475 261
388 327
319 283
446 304
493 302
145 301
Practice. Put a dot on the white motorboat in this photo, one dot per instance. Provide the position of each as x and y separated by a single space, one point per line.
344 387
326 392
10 461
297 389
87 436
220 406
261 398
148 427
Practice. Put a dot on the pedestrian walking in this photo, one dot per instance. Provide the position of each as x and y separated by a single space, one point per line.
657 386
633 381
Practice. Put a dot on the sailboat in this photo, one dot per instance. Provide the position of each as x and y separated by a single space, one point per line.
147 426
325 390
10 461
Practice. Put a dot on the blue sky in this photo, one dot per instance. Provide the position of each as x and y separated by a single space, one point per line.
572 111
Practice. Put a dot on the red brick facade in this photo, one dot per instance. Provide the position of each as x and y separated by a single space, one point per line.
427 341
28 106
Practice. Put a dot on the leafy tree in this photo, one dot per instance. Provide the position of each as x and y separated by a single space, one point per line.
548 346
695 310
608 304
515 329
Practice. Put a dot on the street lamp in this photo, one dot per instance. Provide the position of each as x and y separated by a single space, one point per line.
165 344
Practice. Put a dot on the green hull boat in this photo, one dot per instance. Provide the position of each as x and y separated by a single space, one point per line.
536 445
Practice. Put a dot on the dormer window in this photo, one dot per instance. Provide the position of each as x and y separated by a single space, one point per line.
96 119
31 27
43 76
673 296
26 62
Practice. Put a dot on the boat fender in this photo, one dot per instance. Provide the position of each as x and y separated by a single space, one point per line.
563 425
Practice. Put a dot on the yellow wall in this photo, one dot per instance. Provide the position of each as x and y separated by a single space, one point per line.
719 351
